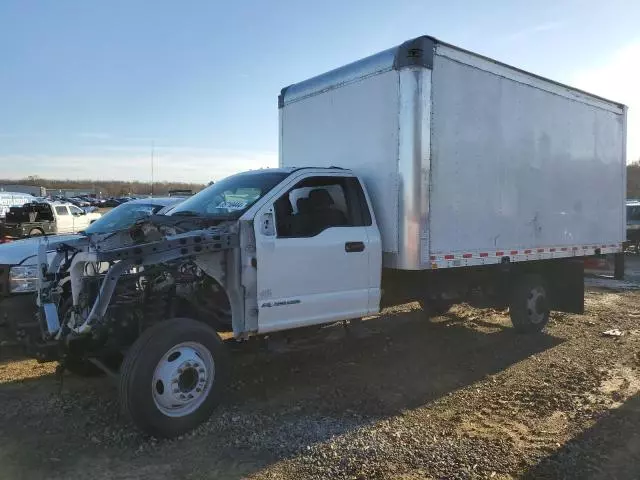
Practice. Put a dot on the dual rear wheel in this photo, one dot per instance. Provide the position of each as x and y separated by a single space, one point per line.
529 305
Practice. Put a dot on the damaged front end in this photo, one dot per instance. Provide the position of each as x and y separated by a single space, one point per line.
97 294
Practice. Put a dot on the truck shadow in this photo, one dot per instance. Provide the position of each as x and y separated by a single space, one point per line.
609 449
324 386
405 362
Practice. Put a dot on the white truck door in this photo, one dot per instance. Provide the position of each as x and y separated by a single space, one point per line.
80 220
64 219
313 255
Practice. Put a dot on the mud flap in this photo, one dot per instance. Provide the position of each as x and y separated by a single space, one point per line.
566 283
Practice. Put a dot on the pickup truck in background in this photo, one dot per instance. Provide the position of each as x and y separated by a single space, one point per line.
44 218
424 173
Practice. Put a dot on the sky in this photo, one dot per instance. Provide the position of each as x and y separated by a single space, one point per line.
88 89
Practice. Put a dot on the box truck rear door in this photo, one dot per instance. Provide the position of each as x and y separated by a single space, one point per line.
313 254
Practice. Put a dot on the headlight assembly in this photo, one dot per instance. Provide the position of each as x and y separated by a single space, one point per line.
23 279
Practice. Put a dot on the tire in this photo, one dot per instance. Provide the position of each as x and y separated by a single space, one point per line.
529 304
36 232
173 377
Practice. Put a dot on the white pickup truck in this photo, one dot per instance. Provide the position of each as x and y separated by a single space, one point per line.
423 173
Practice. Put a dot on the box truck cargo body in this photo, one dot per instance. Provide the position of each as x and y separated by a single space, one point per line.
468 161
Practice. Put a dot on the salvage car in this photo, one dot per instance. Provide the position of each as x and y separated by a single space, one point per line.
44 218
18 270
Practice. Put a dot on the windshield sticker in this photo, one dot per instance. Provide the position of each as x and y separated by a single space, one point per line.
232 204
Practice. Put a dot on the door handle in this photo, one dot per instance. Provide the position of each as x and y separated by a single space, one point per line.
350 247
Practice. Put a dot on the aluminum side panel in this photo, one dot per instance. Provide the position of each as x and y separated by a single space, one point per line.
516 166
356 127
500 69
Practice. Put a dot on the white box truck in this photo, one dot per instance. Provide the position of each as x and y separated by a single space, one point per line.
423 173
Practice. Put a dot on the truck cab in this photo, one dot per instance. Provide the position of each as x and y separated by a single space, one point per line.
310 246
72 219
318 251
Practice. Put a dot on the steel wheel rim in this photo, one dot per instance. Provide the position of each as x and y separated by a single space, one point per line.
536 305
183 379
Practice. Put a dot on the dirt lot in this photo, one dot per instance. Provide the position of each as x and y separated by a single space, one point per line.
459 397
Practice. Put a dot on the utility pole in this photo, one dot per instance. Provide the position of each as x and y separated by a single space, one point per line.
152 152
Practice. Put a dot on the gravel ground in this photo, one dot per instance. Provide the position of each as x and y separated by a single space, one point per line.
461 396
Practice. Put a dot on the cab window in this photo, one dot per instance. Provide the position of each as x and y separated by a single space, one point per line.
318 203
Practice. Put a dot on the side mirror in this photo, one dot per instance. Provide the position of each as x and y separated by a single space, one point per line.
266 225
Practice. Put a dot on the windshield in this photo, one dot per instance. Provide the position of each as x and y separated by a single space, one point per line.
122 217
230 197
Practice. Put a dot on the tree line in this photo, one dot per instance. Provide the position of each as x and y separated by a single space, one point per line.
108 188
114 188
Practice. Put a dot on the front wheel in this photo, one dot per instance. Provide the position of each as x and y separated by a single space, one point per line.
173 377
529 306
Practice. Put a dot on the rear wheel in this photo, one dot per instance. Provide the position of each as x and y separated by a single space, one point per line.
173 377
36 232
529 306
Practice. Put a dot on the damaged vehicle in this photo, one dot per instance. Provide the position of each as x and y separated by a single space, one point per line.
382 218
18 277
